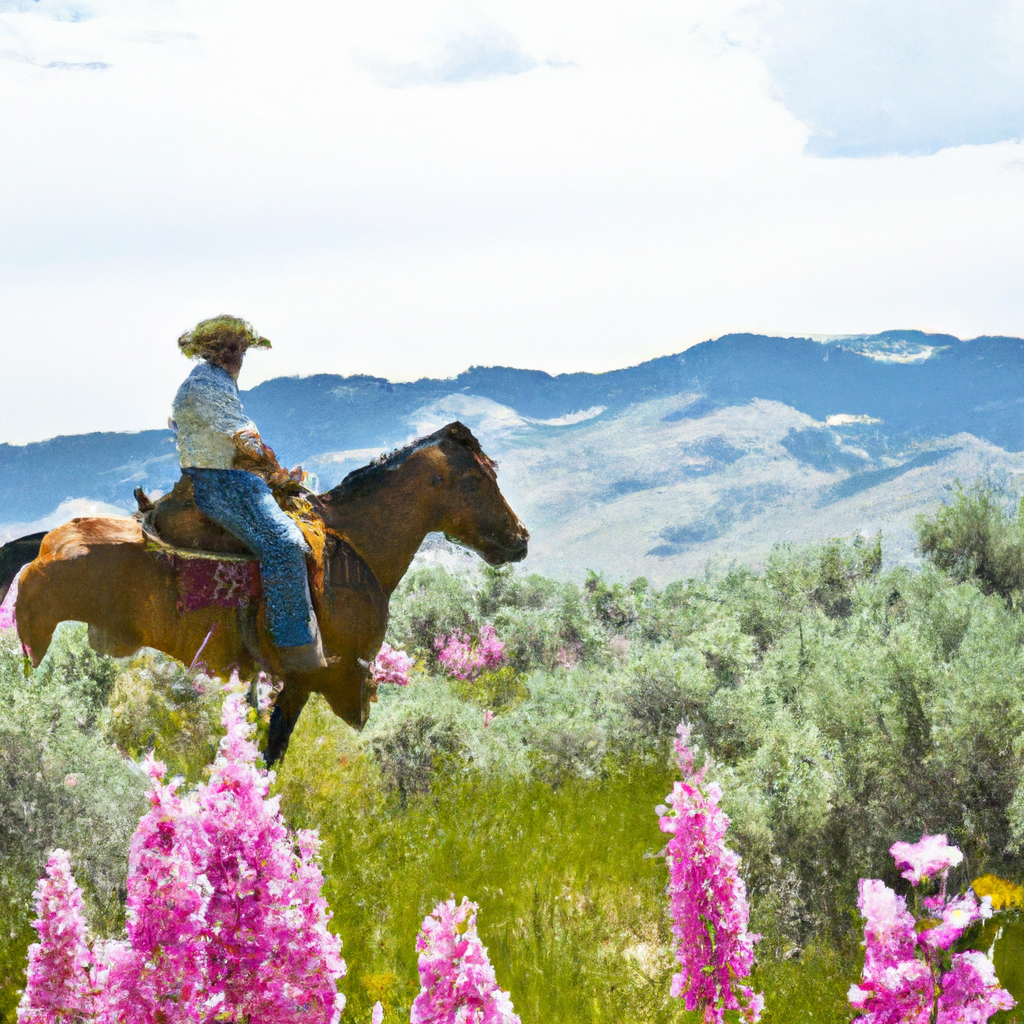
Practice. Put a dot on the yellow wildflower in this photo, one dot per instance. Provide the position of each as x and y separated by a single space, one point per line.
1004 894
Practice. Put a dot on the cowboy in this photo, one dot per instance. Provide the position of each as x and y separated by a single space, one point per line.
214 435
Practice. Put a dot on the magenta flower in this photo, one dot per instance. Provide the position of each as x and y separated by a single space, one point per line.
62 973
708 899
391 666
930 856
896 985
226 921
154 973
970 991
463 658
457 980
568 657
7 620
957 915
270 955
907 965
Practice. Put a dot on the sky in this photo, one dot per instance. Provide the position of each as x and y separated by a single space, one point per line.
406 189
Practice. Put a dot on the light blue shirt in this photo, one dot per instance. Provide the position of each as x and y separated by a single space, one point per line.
207 412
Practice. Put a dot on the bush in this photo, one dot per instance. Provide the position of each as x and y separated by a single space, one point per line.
975 538
429 603
63 785
498 690
841 706
155 707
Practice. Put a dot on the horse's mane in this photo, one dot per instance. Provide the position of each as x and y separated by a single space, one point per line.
368 478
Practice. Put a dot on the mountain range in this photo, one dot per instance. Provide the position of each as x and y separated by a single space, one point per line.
665 469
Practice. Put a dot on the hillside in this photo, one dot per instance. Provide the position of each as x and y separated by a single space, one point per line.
662 469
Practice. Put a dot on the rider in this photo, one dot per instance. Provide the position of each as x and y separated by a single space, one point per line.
213 434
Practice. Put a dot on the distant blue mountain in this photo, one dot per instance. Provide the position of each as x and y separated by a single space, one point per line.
917 386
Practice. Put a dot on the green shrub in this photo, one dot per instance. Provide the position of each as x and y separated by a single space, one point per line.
155 707
497 690
62 785
975 538
840 706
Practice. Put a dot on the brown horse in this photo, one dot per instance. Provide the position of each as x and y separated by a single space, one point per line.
102 571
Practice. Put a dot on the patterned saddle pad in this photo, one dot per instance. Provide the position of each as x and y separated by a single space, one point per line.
206 579
225 581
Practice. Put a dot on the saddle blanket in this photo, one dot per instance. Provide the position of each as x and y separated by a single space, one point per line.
226 583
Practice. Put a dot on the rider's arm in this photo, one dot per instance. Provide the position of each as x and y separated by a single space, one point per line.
250 444
258 457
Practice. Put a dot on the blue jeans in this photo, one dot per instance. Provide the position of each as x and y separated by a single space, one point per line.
243 504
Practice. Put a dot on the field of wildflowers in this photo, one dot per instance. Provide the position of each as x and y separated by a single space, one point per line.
835 709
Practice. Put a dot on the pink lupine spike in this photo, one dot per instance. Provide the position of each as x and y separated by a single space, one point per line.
463 658
7 619
930 856
61 968
708 899
970 991
456 977
226 919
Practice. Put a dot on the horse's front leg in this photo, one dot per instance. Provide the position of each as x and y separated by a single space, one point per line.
287 708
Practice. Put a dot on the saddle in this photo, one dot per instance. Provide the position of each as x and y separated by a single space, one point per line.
212 566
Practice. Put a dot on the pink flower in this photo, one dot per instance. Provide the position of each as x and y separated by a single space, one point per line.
903 968
457 980
568 658
926 858
970 991
225 916
488 716
896 985
378 1013
708 899
957 916
391 666
7 620
462 658
61 967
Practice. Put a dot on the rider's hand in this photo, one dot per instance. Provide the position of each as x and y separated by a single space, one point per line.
278 479
249 443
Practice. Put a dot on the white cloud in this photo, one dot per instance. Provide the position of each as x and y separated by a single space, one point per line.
873 77
58 10
61 514
469 57
487 417
242 157
572 418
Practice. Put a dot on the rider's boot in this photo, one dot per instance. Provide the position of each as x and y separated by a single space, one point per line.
305 657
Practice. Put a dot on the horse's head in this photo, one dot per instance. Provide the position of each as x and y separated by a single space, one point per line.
473 510
441 482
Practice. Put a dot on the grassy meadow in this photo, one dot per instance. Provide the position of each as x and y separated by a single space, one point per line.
840 706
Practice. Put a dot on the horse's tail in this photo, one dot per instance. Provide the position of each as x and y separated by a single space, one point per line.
16 554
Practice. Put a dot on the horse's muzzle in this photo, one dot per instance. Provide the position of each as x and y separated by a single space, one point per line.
514 552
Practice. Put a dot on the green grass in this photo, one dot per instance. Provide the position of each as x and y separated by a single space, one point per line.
571 894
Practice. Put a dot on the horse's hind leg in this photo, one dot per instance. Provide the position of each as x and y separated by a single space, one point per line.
287 708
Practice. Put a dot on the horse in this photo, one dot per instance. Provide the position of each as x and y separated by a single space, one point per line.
105 571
